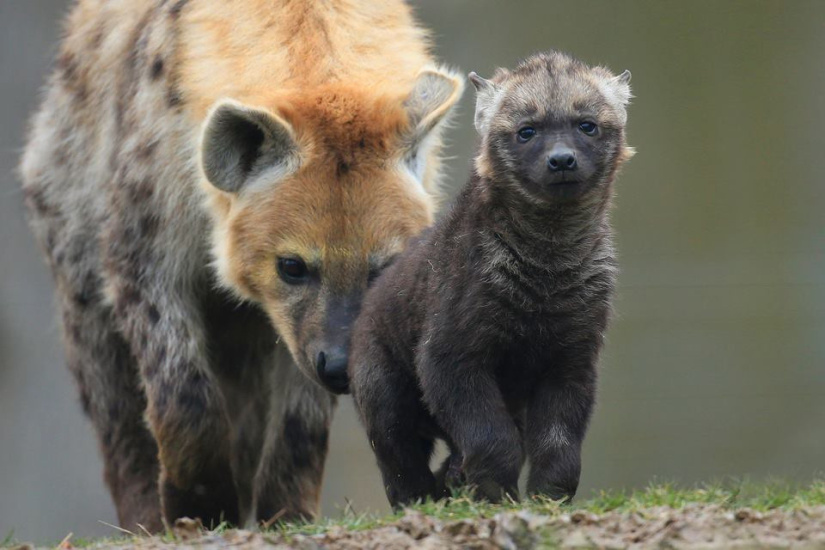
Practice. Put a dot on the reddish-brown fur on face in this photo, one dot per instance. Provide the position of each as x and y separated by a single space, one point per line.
171 370
349 208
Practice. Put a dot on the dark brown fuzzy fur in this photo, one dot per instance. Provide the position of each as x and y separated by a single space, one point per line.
486 332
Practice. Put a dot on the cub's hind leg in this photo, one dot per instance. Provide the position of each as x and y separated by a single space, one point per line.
389 404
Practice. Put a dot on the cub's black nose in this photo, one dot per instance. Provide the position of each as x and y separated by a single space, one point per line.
561 159
332 370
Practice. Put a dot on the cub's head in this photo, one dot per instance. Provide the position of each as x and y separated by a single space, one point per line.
554 127
313 193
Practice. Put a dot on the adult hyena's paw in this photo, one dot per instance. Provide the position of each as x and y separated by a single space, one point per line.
211 497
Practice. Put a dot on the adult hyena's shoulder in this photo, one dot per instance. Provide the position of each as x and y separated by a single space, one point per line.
110 155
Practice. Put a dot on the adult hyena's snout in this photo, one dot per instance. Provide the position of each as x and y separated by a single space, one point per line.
331 351
331 366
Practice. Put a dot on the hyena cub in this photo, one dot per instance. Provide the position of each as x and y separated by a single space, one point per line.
486 332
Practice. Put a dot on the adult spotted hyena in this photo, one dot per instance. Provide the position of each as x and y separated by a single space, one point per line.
214 183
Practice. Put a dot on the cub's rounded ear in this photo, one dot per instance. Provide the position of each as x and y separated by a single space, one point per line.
620 86
624 78
240 143
434 94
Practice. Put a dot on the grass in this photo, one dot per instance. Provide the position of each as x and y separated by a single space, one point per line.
729 495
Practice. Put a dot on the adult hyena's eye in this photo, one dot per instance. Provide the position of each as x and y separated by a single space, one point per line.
293 270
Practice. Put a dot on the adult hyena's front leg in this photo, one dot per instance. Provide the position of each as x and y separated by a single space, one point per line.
185 409
557 419
288 482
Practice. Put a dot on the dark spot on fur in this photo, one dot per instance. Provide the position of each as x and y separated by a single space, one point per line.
173 97
146 151
154 314
70 73
157 68
61 158
160 357
85 400
175 9
362 143
305 446
36 201
97 39
343 168
150 369
67 65
106 437
50 241
192 394
88 292
141 191
74 331
76 252
130 295
296 440
147 226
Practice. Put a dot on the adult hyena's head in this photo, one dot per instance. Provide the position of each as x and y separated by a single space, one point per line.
553 126
314 193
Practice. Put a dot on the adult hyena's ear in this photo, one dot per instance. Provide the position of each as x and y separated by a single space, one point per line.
434 94
487 92
240 143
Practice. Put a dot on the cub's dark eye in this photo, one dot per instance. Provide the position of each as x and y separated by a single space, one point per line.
525 134
293 270
588 128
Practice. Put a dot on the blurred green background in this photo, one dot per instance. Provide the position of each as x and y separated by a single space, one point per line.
715 361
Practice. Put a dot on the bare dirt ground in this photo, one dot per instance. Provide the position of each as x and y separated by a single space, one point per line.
694 526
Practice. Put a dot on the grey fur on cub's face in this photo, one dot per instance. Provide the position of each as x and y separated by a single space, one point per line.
553 127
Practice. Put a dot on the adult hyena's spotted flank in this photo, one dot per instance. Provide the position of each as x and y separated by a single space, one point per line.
213 184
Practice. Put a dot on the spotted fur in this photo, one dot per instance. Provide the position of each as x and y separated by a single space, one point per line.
193 359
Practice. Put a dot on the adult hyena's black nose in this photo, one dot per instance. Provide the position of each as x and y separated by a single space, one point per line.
331 366
562 159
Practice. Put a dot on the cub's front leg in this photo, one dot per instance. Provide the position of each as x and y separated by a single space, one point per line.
461 392
557 418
